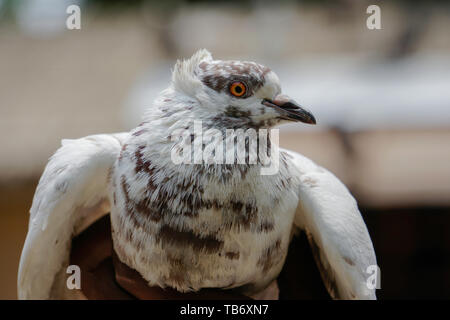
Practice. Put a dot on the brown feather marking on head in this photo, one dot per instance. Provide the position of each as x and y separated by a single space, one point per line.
217 75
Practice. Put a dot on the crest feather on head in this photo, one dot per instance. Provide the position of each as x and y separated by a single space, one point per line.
183 75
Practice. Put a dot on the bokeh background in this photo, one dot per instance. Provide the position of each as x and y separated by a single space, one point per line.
381 97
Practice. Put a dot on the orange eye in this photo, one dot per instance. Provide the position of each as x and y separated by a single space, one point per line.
238 89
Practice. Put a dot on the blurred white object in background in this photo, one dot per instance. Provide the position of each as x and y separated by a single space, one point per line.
43 18
145 91
362 94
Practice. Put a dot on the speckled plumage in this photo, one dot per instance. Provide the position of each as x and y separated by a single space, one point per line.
193 226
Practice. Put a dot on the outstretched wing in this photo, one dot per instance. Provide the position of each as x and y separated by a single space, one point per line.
72 192
337 234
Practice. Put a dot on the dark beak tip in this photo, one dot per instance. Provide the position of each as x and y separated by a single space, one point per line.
312 120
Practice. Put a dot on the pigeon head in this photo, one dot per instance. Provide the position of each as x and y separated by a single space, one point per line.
233 93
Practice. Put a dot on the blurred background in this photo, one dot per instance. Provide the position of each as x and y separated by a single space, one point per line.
381 98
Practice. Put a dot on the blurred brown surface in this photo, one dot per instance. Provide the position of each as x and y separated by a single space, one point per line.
389 168
15 201
401 167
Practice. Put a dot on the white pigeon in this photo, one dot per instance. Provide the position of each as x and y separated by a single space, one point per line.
193 226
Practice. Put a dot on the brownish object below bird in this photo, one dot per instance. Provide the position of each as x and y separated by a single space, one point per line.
105 277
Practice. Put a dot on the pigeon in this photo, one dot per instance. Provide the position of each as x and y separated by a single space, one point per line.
199 224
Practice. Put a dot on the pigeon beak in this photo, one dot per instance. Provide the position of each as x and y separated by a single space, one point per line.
289 109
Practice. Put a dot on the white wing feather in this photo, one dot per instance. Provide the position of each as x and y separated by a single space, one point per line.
72 191
341 244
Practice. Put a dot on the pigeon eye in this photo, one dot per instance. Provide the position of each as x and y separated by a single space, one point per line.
238 89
